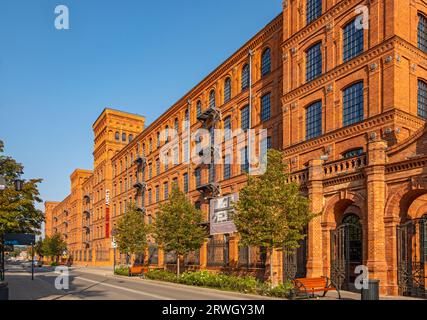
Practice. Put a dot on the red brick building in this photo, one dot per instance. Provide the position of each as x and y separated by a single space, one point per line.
341 88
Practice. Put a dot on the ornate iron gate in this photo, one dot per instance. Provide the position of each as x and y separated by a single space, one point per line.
411 253
346 252
218 251
295 262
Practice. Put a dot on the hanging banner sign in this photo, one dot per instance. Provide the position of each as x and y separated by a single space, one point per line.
221 215
14 239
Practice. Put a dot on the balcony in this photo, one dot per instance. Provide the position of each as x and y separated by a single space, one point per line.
345 166
209 188
143 210
210 114
141 161
87 215
87 229
86 199
140 186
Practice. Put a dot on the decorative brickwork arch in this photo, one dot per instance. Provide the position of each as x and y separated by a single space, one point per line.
338 204
399 202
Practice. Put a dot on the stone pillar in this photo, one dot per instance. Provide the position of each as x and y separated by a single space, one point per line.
204 255
376 198
315 194
233 252
391 224
161 258
327 227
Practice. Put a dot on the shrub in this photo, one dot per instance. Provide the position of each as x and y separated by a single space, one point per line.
53 264
222 281
161 275
122 271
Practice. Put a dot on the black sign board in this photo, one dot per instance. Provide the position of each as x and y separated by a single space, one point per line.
15 239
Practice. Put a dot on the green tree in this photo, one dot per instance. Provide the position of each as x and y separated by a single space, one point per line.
18 213
39 249
271 212
132 231
178 226
54 246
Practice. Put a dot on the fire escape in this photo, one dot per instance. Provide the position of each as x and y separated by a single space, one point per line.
86 222
209 119
141 184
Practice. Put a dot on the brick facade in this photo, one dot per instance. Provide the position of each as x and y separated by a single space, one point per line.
384 184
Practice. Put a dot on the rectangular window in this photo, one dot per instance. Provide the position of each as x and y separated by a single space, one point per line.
313 120
352 40
176 156
227 167
314 10
166 191
150 197
227 128
353 104
157 193
314 62
244 118
422 99
150 171
265 146
244 166
198 175
422 33
186 152
185 178
266 107
158 166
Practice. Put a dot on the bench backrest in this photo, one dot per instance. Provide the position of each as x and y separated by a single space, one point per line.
313 282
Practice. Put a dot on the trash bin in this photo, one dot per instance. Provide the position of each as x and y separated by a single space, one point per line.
4 291
373 293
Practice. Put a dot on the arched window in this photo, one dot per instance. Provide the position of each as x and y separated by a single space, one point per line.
245 77
227 90
123 137
422 99
313 120
266 107
314 62
352 41
117 136
150 145
212 99
158 139
176 126
187 119
199 108
167 134
422 32
266 62
313 10
353 104
352 153
130 137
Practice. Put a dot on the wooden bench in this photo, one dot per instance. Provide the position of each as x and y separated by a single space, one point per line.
137 271
310 286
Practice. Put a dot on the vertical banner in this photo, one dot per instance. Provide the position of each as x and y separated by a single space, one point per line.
107 214
221 215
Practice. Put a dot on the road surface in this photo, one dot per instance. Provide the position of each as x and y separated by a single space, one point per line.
98 285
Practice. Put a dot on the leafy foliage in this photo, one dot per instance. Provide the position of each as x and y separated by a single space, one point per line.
132 231
178 225
18 213
54 246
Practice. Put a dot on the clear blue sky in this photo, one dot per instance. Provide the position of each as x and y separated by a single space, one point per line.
136 55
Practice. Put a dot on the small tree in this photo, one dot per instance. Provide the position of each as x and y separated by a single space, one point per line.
178 226
54 246
39 249
271 212
132 231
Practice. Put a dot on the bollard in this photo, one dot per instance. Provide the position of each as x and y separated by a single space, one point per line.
4 291
373 293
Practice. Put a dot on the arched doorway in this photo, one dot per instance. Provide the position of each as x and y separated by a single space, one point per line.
346 252
412 257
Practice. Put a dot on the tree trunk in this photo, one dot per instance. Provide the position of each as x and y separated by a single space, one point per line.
271 268
177 265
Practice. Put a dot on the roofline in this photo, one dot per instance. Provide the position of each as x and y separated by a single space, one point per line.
194 89
116 110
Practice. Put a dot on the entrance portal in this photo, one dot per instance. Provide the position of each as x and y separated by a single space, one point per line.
346 252
412 254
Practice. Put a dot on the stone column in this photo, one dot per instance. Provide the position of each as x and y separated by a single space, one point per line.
315 194
327 227
391 224
376 198
233 252
204 255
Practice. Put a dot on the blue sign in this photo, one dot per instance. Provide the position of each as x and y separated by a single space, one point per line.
15 239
